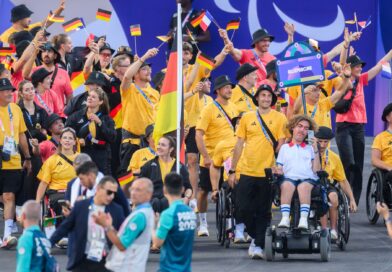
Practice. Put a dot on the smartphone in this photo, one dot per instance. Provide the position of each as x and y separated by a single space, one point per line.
310 136
63 203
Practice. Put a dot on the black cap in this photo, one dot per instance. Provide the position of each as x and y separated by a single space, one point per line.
96 78
20 12
34 31
387 110
47 47
145 64
5 85
21 47
324 133
271 67
51 119
149 130
222 81
243 70
39 76
106 46
260 34
125 50
23 35
354 60
158 78
265 87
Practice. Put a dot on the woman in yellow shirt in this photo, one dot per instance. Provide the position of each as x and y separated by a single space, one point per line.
58 170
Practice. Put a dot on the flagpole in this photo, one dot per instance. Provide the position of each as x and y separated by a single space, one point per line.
232 35
135 45
179 87
161 45
356 20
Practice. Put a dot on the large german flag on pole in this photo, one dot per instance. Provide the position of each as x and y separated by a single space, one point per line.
170 109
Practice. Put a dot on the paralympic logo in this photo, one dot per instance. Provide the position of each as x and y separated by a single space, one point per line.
325 33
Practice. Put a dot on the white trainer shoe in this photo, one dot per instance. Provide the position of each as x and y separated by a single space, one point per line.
203 231
252 247
303 223
334 234
285 222
257 253
239 237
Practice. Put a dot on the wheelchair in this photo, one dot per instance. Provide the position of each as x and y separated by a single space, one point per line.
225 224
294 240
379 188
51 212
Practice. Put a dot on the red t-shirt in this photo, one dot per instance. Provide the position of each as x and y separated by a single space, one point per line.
51 103
357 112
46 149
250 56
16 78
269 82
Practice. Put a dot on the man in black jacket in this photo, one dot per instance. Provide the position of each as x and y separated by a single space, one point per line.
88 246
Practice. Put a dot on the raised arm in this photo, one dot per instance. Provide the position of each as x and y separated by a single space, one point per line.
346 84
338 48
28 67
88 66
57 12
377 68
290 30
235 53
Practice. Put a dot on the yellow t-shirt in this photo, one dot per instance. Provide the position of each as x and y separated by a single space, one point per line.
243 102
223 154
258 152
137 112
165 168
215 125
204 101
192 104
322 114
139 158
56 172
333 166
383 143
19 127
6 34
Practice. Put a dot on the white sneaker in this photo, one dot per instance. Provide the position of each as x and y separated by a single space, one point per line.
63 243
334 234
257 253
9 242
252 247
303 223
285 222
203 231
239 237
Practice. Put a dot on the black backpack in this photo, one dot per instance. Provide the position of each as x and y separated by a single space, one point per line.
344 105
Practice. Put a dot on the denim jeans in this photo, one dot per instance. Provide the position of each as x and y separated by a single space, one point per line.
350 138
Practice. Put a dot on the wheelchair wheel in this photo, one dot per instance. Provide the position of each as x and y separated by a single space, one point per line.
343 220
221 217
325 245
218 217
268 248
373 194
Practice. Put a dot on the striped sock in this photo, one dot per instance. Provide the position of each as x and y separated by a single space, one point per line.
305 210
285 210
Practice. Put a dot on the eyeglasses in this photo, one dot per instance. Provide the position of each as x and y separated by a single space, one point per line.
106 55
110 192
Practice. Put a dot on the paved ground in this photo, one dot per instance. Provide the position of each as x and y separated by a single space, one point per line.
369 249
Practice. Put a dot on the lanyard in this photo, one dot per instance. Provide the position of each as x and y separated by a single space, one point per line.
205 100
144 95
246 99
29 118
224 113
11 123
42 102
259 60
313 112
263 128
88 122
326 158
152 151
186 18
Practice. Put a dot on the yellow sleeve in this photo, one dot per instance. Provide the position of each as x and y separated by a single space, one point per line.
241 129
45 173
293 92
35 25
377 142
325 104
338 171
134 164
336 82
217 159
204 119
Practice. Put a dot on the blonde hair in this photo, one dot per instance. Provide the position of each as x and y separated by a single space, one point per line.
20 88
293 122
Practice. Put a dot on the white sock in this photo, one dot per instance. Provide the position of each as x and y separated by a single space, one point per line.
8 224
203 218
240 227
285 210
305 210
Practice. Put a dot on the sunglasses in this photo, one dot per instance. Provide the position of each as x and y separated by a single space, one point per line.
110 192
106 55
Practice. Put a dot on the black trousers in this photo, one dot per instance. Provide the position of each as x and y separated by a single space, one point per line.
253 206
91 266
350 138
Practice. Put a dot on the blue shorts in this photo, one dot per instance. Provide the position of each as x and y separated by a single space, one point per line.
299 181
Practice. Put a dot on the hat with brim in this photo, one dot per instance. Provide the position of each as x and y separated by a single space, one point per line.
47 47
158 78
106 46
265 87
259 35
34 31
222 81
21 47
96 78
20 12
354 60
50 121
39 76
149 131
324 133
271 67
387 110
244 70
5 85
23 35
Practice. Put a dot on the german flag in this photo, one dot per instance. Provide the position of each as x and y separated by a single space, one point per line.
125 178
6 51
205 61
164 38
196 21
55 18
8 61
103 15
75 23
135 30
233 24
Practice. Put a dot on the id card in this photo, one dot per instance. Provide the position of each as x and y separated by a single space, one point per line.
9 146
96 251
227 165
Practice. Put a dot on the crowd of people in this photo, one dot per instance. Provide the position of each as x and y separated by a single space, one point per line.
91 161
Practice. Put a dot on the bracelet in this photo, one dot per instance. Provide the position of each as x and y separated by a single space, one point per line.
107 229
27 159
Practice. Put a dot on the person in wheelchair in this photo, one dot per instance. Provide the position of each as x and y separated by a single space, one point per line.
382 144
331 163
298 162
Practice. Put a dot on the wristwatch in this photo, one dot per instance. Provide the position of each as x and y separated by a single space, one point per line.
231 171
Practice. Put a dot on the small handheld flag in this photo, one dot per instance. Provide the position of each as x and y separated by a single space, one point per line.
196 21
206 21
6 51
103 15
55 18
164 38
205 61
365 24
350 22
75 23
386 70
135 30
233 25
125 178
